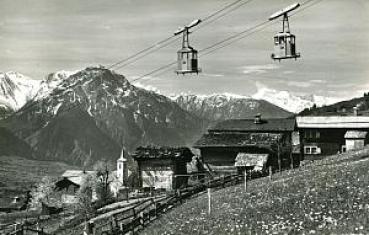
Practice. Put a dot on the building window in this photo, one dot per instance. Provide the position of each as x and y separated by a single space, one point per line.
312 150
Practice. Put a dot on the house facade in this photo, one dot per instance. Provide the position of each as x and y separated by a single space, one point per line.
158 167
275 138
327 135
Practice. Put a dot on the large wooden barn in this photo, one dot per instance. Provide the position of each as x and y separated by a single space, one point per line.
327 135
227 140
158 167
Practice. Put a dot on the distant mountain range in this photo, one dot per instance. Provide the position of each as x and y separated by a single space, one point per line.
219 107
291 102
79 117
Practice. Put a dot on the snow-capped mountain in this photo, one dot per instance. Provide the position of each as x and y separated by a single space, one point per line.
16 90
96 110
218 107
291 102
51 82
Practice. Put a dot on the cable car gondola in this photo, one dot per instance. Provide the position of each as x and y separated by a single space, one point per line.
187 61
285 42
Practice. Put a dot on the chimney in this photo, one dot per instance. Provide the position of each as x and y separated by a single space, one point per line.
257 119
355 111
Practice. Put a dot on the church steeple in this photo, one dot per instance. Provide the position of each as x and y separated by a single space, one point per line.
121 167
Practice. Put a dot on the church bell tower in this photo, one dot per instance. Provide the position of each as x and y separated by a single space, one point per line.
121 168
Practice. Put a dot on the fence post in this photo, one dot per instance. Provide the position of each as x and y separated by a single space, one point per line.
279 159
155 206
291 159
134 219
142 219
89 228
18 228
245 180
114 222
270 172
209 200
122 227
180 196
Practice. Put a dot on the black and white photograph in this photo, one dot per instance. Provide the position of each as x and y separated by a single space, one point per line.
170 117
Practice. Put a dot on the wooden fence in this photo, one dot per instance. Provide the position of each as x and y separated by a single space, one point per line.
138 216
18 229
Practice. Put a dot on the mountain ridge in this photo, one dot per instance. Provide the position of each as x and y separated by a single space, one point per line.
111 108
218 107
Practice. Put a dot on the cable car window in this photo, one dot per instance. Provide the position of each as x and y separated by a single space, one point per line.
276 42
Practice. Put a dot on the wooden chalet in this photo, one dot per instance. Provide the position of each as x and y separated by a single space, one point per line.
70 183
327 135
158 167
232 142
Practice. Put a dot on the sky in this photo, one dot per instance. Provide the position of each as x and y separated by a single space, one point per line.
38 37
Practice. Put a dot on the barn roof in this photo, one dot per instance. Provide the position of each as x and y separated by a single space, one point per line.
355 134
249 125
77 176
238 140
151 152
333 122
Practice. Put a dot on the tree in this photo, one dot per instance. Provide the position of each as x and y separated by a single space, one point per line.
103 170
84 196
42 192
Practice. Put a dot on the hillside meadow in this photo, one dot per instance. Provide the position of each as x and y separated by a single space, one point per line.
19 174
325 196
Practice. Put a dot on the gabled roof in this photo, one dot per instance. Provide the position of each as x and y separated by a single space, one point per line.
151 152
355 134
333 122
249 125
263 140
77 176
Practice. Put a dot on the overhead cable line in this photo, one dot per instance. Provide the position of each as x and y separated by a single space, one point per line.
222 15
166 42
231 39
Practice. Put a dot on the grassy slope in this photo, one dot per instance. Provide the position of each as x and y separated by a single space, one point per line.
327 196
19 174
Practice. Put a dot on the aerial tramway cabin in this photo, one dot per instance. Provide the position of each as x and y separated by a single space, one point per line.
158 167
243 143
328 135
285 41
187 56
